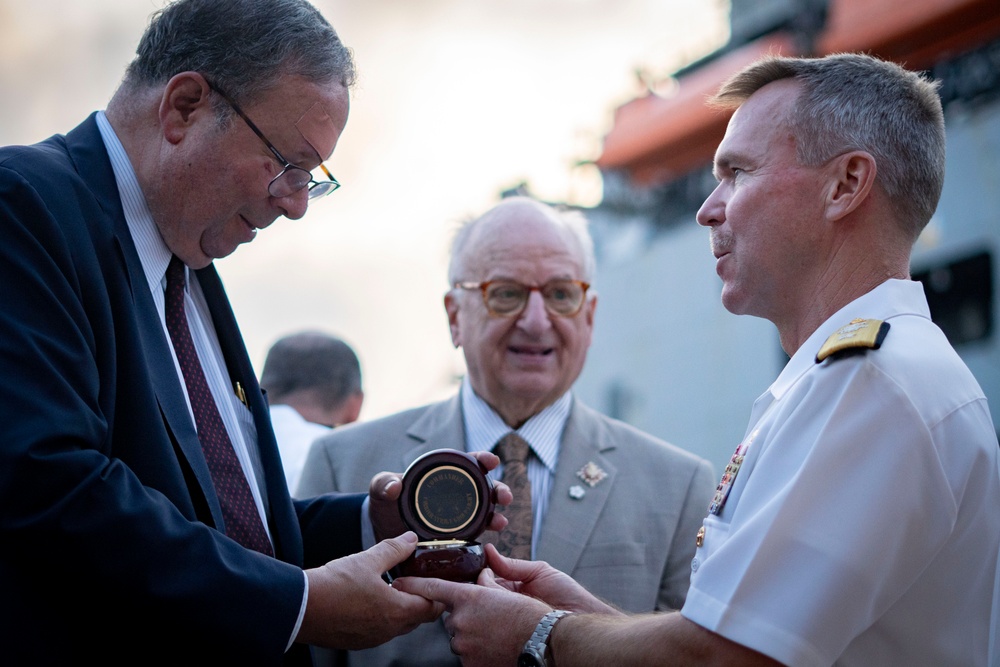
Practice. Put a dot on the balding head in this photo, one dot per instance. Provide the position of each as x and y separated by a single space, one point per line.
519 306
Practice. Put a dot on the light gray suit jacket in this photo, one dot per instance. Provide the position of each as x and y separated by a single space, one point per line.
629 540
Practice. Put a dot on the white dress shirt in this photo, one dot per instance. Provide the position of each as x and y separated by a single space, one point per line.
294 434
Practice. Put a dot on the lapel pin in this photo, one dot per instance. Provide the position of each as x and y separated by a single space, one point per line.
240 394
591 474
577 492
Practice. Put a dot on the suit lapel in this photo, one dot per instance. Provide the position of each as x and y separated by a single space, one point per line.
283 519
163 374
440 427
562 541
86 148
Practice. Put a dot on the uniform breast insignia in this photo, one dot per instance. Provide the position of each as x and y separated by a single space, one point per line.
728 477
858 335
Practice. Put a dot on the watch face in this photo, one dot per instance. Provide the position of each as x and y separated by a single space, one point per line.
529 660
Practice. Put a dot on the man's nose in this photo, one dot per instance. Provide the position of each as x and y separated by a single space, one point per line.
295 205
713 211
534 318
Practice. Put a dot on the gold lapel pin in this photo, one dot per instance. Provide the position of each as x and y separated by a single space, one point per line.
240 394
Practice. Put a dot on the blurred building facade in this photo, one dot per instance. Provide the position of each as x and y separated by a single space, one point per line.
667 357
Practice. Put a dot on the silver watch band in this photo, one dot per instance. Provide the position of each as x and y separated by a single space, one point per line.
536 645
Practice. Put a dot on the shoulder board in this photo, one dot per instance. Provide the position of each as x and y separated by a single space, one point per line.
859 333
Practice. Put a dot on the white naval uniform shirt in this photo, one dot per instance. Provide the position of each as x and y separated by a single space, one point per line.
863 526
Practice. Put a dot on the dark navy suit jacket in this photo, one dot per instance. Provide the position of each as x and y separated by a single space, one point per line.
110 542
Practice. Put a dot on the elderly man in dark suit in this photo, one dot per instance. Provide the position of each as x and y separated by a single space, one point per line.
144 509
614 507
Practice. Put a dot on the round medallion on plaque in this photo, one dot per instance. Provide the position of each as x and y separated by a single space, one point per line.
447 500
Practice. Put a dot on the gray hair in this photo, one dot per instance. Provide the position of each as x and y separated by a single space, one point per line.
857 102
571 220
243 46
315 362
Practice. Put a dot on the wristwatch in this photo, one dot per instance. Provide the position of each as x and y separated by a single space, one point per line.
533 653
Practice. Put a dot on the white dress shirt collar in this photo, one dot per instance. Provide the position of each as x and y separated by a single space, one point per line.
153 252
543 431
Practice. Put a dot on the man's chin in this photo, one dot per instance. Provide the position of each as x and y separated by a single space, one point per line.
533 390
212 253
196 260
733 301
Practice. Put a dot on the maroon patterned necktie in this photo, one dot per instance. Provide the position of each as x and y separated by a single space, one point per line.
515 539
239 511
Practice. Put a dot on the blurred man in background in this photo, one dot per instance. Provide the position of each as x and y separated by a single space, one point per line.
313 383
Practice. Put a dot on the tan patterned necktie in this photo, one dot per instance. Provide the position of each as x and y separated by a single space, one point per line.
515 539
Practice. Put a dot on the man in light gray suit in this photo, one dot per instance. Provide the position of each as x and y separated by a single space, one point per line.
616 508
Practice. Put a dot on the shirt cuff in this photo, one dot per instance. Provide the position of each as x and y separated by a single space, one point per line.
367 528
302 612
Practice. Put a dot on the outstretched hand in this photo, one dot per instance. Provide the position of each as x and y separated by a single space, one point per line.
488 623
540 580
350 606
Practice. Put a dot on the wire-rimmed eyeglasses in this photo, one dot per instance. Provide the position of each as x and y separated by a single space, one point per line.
507 298
290 179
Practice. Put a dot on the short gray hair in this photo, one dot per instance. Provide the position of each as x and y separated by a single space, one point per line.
856 102
243 46
571 220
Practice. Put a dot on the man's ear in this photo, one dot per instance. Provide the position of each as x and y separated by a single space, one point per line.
186 98
351 409
451 307
591 307
852 177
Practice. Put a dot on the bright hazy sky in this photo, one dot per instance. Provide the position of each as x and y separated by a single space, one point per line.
456 100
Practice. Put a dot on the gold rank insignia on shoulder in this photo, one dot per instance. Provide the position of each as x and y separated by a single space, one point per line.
859 334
